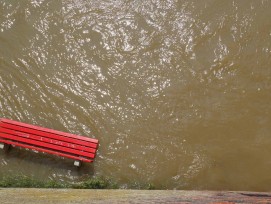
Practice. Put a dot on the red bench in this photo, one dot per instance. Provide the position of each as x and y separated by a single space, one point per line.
78 148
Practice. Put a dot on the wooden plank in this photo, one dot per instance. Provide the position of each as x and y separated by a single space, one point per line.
49 135
4 120
19 144
46 145
47 140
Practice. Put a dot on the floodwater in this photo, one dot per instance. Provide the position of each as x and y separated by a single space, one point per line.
177 92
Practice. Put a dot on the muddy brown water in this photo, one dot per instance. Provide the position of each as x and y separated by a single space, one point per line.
177 92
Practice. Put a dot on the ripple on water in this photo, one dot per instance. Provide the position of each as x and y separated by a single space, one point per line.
169 88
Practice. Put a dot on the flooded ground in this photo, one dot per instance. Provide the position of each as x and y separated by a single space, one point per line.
177 92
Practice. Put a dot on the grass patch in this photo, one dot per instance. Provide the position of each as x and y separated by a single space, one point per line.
95 183
20 181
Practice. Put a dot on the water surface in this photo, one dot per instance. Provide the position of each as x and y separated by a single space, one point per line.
177 92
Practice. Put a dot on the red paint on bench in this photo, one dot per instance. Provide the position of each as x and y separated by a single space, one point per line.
47 140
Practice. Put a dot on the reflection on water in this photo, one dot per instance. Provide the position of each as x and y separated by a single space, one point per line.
177 92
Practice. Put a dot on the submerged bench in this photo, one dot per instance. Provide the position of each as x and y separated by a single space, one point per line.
78 148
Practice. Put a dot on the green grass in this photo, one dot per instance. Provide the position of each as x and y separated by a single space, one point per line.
20 181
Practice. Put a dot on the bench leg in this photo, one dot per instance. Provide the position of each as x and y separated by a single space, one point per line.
5 147
77 163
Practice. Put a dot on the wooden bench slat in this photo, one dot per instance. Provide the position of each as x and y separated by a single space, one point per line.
47 140
4 120
45 150
52 146
49 135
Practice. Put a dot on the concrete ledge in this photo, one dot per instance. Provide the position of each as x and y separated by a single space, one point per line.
12 195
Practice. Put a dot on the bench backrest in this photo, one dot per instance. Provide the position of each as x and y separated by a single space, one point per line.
47 140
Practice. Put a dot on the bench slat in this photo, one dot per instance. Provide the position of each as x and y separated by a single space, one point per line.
4 120
45 150
42 144
49 135
47 140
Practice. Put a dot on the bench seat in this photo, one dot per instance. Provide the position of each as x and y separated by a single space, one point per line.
78 148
